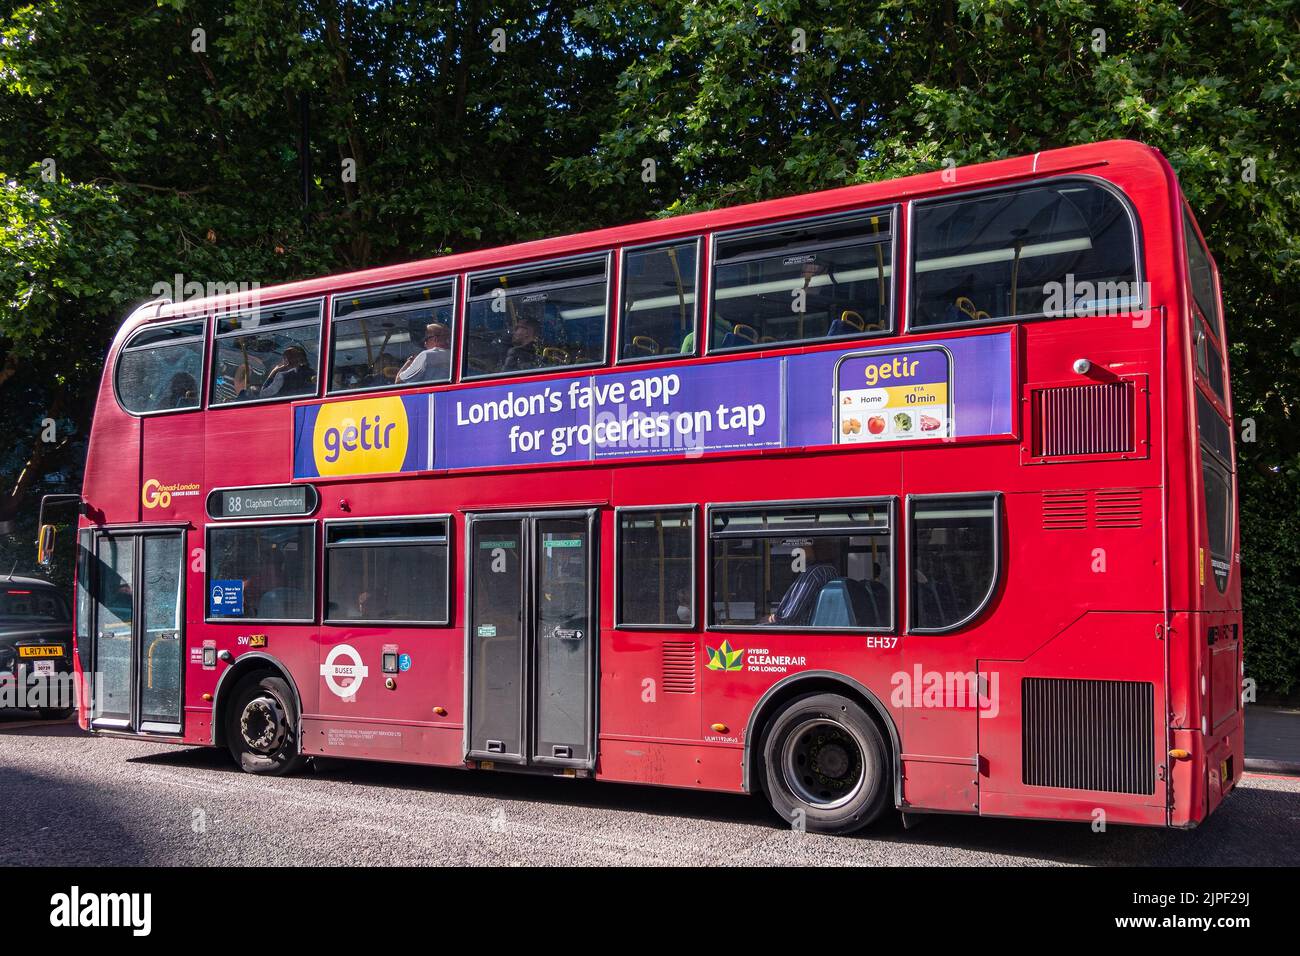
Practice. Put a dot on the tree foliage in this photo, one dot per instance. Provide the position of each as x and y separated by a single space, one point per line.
173 159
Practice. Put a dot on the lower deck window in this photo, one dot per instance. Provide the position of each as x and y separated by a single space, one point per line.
261 572
954 560
392 572
656 568
802 567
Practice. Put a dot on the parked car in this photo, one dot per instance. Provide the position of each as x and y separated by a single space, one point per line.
35 647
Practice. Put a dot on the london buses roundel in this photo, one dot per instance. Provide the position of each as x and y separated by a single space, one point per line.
343 671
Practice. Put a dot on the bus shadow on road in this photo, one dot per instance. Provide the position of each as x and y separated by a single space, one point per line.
52 821
29 725
1256 826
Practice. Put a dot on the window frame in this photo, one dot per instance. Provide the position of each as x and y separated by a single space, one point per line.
1191 230
334 319
293 324
326 547
696 308
210 527
467 299
619 623
894 210
1214 458
891 502
203 339
1201 325
1135 235
998 564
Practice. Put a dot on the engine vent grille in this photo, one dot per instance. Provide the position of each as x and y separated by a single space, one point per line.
1083 420
1088 734
678 664
1118 509
1079 510
1065 510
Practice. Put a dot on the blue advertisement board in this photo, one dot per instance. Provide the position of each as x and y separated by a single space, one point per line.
946 388
652 411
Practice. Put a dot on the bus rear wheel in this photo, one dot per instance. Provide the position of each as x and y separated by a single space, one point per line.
826 765
261 723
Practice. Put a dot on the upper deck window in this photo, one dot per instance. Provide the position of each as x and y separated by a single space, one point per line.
266 354
828 278
1202 277
542 317
658 303
1207 328
160 368
1058 249
391 337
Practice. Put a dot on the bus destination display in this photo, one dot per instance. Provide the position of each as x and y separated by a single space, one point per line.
276 501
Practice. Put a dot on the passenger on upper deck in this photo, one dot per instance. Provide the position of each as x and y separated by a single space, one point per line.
291 376
182 391
434 363
524 351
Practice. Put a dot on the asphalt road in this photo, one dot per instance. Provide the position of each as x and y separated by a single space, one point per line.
67 798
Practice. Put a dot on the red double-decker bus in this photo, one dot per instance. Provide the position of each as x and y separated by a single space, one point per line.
915 494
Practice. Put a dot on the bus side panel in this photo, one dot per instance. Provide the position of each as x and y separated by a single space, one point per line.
111 487
171 470
1040 745
248 445
659 763
394 715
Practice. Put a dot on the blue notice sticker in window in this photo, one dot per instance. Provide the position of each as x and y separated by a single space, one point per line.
226 599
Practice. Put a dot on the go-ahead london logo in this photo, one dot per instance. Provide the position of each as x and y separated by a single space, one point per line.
343 671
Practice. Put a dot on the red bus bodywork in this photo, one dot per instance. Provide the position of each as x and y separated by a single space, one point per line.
1103 558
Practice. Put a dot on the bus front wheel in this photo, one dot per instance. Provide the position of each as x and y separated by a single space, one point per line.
261 724
826 765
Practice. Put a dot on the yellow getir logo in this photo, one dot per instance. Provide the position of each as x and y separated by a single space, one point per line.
364 437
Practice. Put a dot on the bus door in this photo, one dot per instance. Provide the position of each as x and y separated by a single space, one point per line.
532 638
135 655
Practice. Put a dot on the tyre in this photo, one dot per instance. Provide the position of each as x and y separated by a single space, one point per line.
826 764
262 726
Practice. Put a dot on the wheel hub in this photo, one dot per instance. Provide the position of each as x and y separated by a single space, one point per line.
262 724
822 763
830 760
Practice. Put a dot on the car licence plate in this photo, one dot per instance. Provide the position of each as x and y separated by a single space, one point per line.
41 650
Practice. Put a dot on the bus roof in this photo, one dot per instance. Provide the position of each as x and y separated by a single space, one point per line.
1056 161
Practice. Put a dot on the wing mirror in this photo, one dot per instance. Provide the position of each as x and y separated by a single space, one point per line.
45 546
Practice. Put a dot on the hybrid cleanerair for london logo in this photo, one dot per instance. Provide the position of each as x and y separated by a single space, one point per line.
371 436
